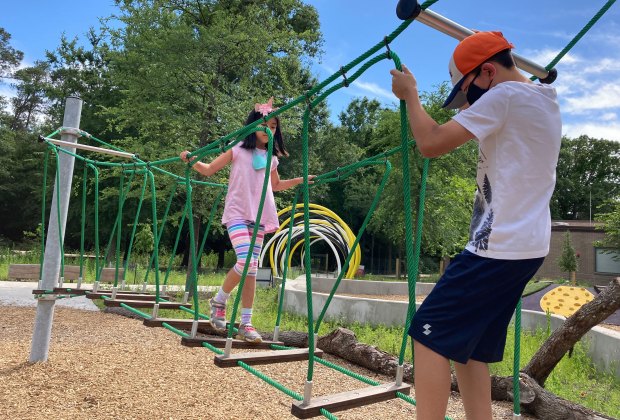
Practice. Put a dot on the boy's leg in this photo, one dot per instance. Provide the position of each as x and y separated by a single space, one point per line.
432 383
475 389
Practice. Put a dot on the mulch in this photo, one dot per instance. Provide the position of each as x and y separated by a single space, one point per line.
104 366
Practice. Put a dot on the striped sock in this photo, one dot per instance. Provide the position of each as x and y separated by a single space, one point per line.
246 315
221 296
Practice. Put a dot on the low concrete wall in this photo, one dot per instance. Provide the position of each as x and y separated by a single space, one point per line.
603 343
368 287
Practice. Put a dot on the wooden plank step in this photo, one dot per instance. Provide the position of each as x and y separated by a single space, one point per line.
221 343
125 295
349 399
145 304
182 324
204 325
265 357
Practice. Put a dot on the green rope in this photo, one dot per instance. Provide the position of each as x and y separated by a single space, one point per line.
307 260
517 361
371 210
135 225
83 223
176 243
161 231
214 207
286 257
58 215
96 175
155 236
579 35
43 210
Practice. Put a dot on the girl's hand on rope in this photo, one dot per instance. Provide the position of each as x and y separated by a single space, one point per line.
184 158
300 180
403 83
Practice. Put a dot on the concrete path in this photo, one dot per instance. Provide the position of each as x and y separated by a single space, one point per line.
19 293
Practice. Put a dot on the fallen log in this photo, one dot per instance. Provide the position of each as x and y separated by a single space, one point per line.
534 399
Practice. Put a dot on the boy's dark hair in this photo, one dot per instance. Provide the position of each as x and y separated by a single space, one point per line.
250 141
503 58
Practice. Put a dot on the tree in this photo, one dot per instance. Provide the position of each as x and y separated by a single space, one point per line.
568 259
188 73
450 186
29 101
588 175
10 58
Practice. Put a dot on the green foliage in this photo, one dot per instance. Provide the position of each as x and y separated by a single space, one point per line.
10 58
588 175
144 241
568 258
611 226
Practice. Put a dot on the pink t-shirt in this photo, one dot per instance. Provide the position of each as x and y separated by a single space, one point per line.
245 186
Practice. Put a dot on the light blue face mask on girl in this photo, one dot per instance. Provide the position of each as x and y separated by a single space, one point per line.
259 160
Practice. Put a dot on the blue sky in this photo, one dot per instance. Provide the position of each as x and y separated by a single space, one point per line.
588 81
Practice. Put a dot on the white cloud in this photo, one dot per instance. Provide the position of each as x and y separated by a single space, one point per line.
603 97
610 116
374 89
594 130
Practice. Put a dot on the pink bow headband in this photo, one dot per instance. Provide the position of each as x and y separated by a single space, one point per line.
265 109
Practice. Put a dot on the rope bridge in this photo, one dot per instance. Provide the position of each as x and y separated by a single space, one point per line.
133 168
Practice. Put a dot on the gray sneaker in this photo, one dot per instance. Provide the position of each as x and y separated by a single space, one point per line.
248 333
218 314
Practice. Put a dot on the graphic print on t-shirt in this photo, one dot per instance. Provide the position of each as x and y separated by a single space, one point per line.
480 230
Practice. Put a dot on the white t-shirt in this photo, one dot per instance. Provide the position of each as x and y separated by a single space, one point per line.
519 131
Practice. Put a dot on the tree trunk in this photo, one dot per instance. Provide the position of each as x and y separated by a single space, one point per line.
573 278
575 327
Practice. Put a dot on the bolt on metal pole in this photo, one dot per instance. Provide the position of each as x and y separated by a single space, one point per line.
51 262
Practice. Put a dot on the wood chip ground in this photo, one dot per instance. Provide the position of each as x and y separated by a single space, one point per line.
104 366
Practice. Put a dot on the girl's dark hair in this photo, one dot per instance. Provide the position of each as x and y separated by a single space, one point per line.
250 141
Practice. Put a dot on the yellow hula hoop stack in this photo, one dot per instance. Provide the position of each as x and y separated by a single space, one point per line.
325 225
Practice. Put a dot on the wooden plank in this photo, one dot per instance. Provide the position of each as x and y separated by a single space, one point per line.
71 290
23 272
108 274
264 357
145 304
72 272
221 343
123 295
204 325
349 399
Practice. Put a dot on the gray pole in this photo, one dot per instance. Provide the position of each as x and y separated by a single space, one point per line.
51 262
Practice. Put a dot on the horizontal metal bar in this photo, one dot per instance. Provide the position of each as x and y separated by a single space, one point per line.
68 144
453 29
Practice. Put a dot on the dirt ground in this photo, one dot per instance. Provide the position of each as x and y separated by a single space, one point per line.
105 366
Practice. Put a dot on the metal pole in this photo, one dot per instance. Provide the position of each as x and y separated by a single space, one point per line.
51 262
455 30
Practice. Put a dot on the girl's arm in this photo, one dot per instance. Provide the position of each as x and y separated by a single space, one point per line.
278 184
208 169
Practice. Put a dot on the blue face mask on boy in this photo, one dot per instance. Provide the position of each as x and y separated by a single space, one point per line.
259 160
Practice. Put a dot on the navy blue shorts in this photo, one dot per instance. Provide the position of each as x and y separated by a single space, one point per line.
467 313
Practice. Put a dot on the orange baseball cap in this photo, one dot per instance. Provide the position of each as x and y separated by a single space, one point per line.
471 52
